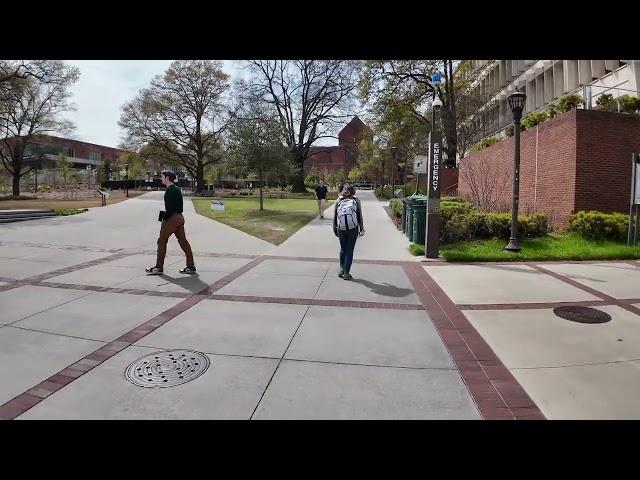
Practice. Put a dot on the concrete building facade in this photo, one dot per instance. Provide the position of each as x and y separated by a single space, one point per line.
544 81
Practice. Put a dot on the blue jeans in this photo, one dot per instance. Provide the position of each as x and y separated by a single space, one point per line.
347 244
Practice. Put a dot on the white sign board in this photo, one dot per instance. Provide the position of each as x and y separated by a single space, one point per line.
420 164
217 205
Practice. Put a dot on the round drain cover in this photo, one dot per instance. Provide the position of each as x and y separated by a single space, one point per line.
167 369
582 314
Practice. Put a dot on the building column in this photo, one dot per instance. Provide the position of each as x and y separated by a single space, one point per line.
503 74
598 69
634 66
584 72
531 96
571 80
611 65
539 90
548 85
559 88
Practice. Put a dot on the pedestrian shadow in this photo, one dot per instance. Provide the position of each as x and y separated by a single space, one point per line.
386 289
191 282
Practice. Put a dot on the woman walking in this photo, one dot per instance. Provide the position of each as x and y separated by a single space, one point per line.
348 224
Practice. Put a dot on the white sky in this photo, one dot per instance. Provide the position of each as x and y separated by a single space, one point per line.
105 85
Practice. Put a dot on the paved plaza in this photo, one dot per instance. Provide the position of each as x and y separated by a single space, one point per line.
284 338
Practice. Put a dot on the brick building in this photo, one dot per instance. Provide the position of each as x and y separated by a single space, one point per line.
44 152
344 156
80 153
580 160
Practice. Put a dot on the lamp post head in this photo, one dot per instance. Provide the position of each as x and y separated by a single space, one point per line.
516 103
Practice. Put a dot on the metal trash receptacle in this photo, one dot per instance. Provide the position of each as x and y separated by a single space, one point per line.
419 222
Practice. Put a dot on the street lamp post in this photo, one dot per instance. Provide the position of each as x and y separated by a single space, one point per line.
401 165
516 102
126 184
393 168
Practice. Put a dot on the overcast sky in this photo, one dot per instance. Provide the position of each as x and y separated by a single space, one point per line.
104 86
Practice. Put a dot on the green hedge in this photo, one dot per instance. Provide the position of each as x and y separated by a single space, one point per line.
395 204
600 226
486 225
461 221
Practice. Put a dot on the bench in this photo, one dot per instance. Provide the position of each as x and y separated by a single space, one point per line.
274 194
208 193
104 196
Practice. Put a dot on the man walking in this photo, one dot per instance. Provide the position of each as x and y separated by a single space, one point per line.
172 224
321 195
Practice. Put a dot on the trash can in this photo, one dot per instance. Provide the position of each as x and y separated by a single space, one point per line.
411 202
404 214
409 218
419 221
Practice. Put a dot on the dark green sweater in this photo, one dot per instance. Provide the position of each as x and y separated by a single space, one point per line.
172 201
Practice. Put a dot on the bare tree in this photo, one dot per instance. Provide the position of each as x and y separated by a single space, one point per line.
14 72
487 183
311 98
184 113
32 108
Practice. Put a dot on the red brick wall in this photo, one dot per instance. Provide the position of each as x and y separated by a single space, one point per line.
548 188
448 181
605 144
583 163
331 158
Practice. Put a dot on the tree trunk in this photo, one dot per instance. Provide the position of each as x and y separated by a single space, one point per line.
200 177
260 180
298 177
16 183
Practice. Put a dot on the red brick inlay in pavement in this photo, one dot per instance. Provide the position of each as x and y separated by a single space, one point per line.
585 288
496 392
61 271
23 402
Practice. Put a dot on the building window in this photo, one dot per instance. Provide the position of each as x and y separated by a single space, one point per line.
95 156
67 151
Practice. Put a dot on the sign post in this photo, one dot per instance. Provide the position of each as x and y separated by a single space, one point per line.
420 164
432 237
634 208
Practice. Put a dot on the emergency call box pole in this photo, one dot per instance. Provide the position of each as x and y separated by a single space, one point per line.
432 238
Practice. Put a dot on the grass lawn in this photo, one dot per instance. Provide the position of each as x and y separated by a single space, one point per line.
280 218
552 247
37 203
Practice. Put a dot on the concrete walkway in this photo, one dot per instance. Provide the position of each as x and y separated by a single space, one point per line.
133 224
282 337
260 333
381 241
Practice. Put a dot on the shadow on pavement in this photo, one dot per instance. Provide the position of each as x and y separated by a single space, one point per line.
188 282
385 289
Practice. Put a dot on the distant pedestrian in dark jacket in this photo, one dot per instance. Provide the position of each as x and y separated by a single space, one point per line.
321 195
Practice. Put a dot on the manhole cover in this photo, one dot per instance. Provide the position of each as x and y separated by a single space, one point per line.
167 369
582 314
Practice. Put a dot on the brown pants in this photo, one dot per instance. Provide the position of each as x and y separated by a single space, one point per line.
173 226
